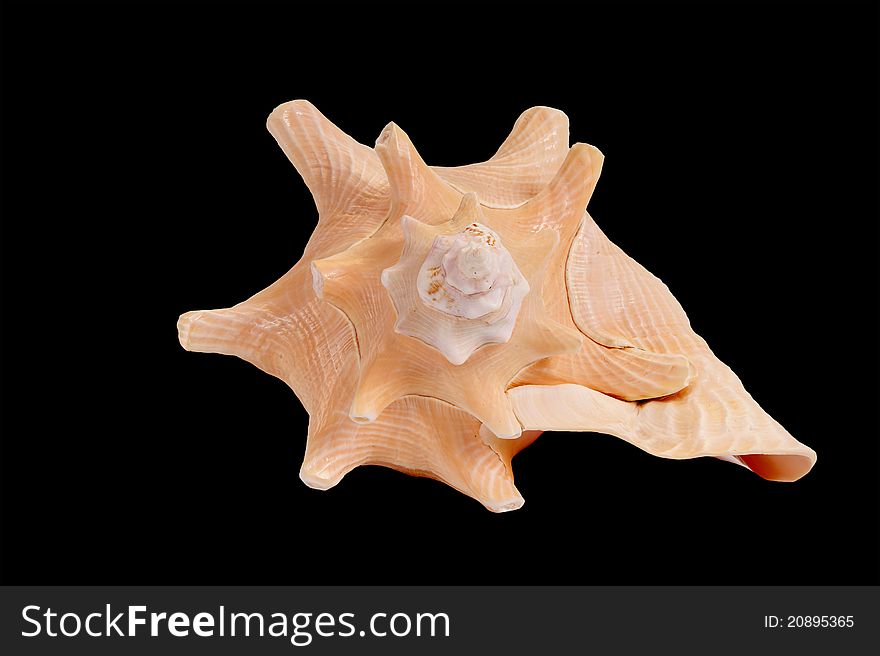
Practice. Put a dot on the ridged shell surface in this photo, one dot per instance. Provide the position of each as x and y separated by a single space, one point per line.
441 319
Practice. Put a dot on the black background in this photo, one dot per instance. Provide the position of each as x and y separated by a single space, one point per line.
139 182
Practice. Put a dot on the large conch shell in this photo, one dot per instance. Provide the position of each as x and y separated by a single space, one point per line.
441 318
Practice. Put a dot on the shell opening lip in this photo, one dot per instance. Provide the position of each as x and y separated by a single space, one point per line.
786 467
506 505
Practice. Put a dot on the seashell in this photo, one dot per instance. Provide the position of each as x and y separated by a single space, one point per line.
441 318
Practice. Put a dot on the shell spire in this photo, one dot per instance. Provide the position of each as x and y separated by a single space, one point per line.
455 287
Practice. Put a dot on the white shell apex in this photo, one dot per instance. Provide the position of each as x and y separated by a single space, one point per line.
441 318
468 275
470 288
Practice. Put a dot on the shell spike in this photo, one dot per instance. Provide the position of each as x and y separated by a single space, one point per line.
230 331
524 164
415 188
539 133
468 212
563 201
334 166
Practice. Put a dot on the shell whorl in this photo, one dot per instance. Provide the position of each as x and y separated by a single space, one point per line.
469 285
467 275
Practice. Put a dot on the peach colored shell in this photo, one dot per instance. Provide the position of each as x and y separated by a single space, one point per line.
442 318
